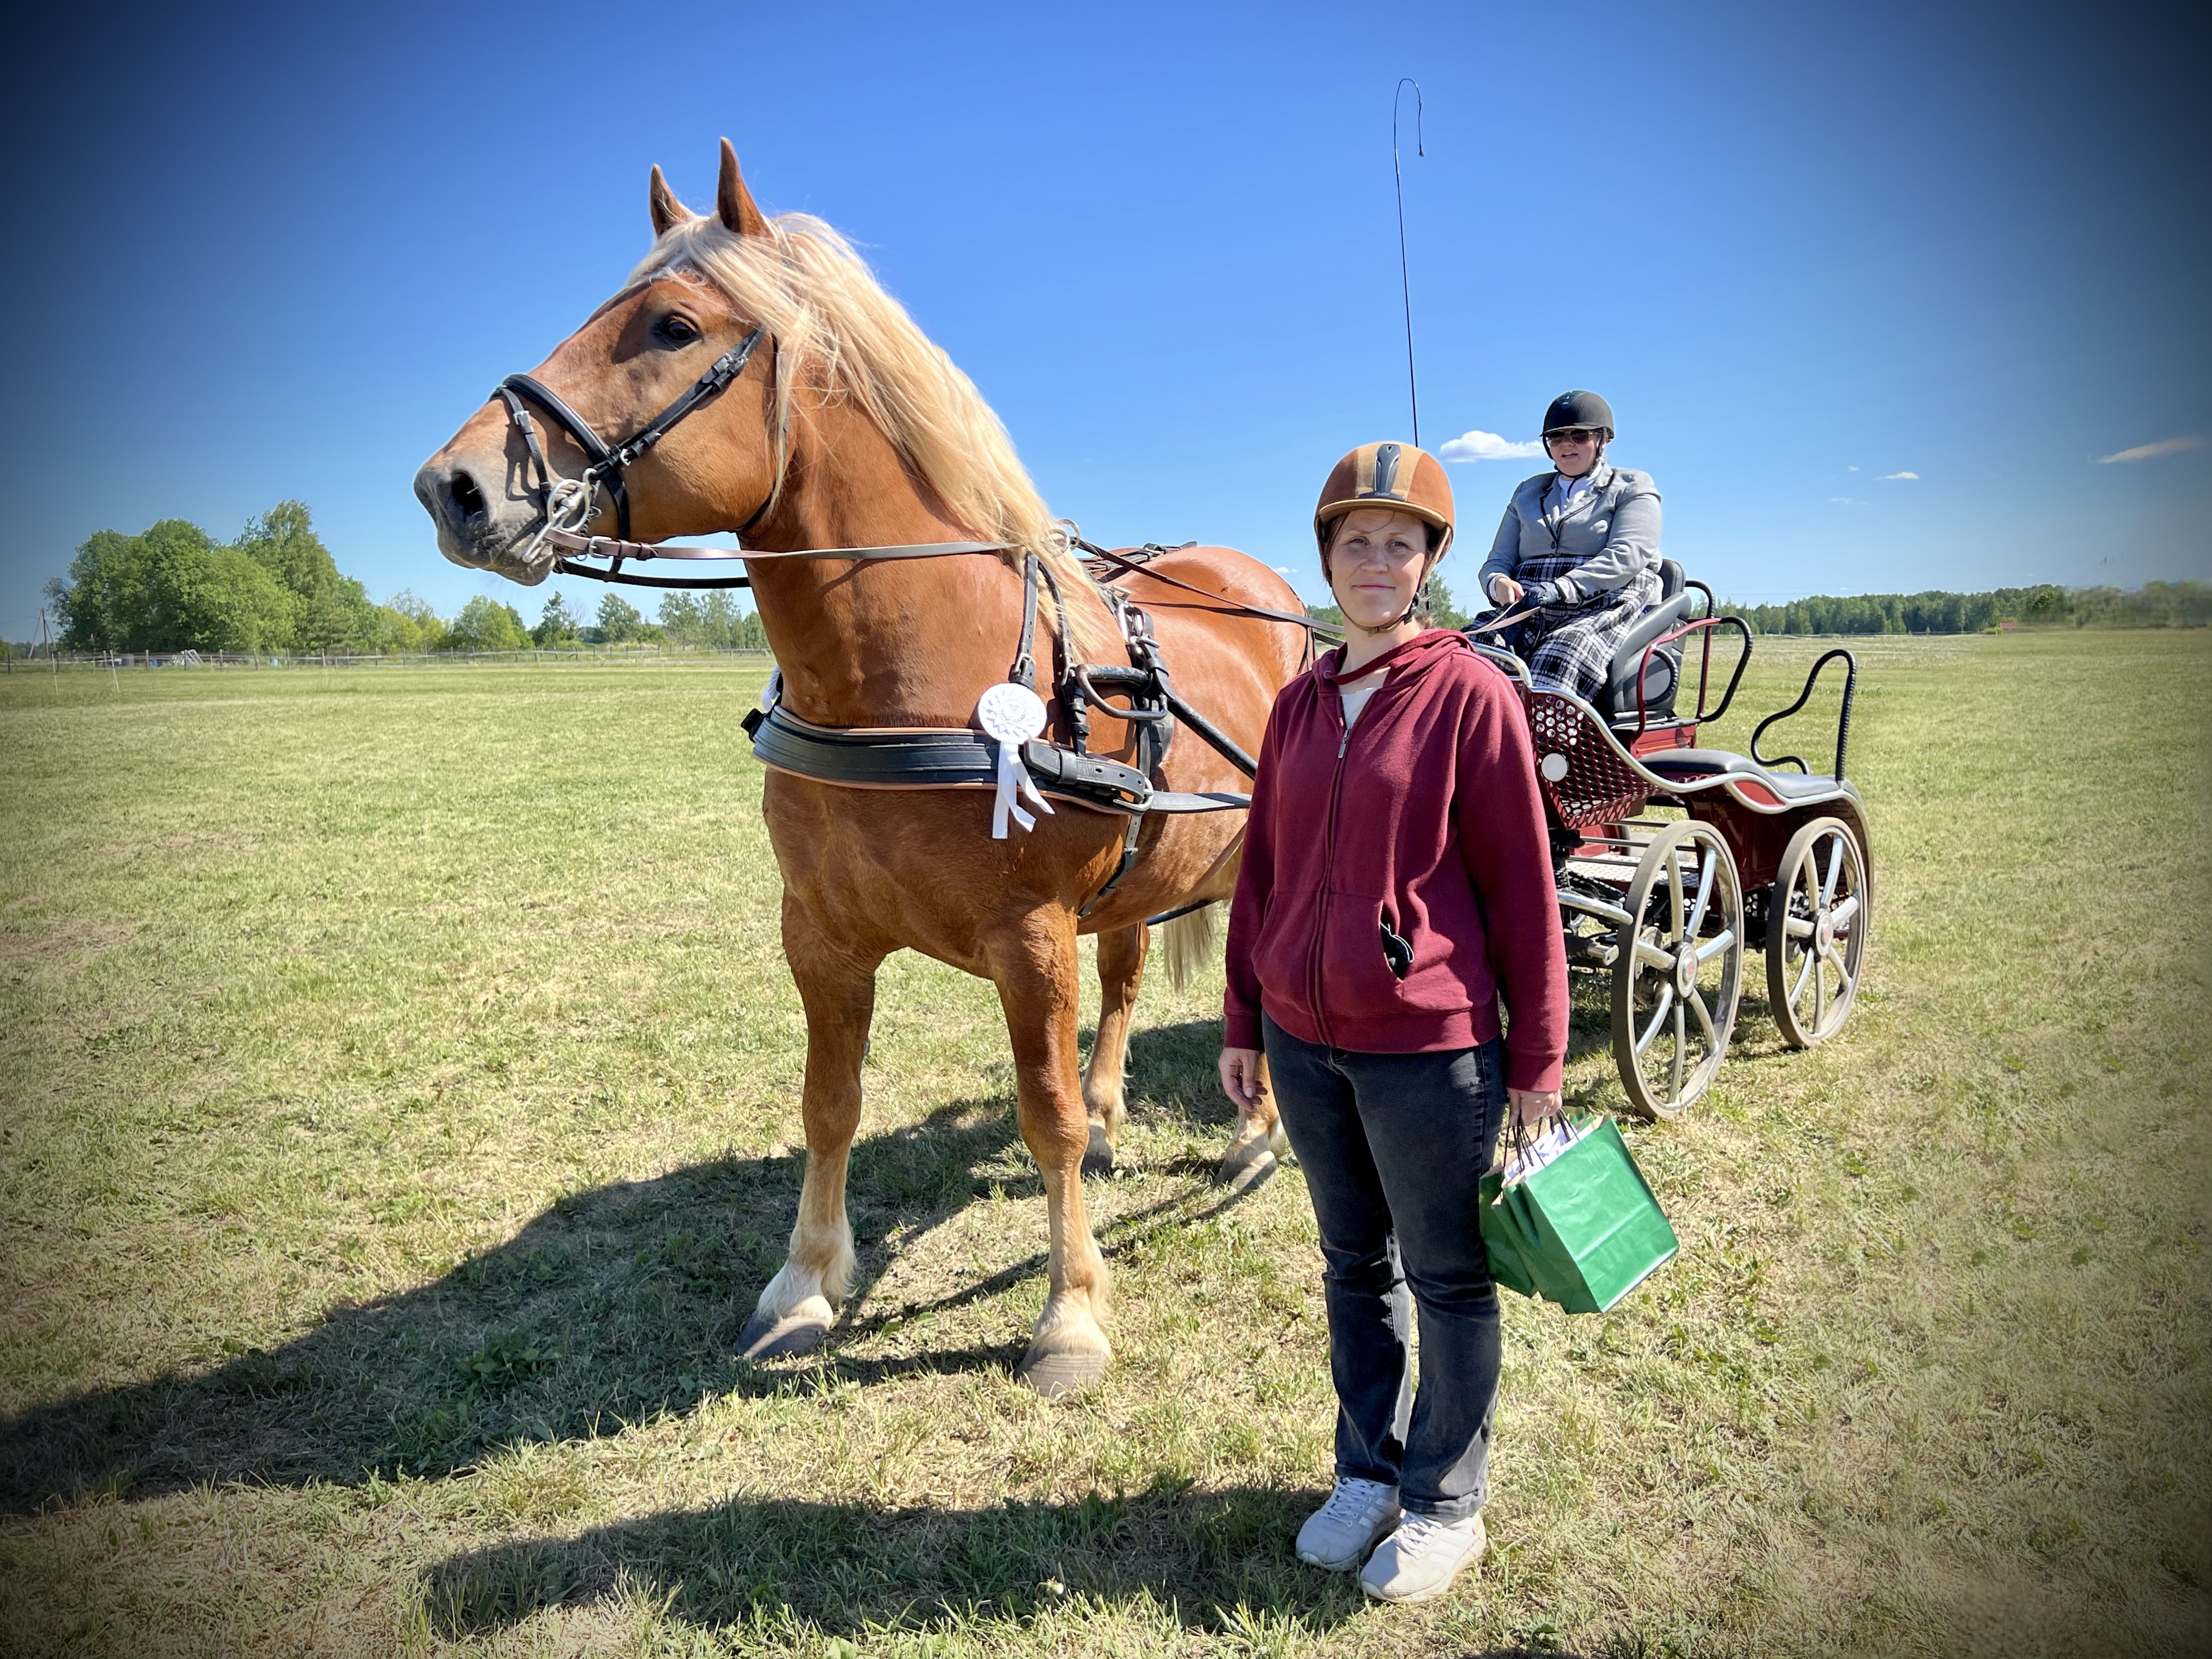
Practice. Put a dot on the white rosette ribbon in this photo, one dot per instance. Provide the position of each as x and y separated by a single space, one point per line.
1010 715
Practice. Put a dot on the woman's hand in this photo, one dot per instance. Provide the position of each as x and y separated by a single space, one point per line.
1531 1106
1240 1077
1504 590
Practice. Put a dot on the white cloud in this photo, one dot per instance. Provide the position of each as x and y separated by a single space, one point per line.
2152 452
1486 446
1892 477
1847 500
1850 468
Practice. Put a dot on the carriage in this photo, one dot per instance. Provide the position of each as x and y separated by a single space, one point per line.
1673 860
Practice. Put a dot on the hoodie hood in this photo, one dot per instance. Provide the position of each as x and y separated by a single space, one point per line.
1406 660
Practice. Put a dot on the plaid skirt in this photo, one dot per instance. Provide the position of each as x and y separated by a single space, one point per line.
1569 648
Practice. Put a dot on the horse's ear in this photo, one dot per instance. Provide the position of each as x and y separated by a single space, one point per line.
734 202
666 209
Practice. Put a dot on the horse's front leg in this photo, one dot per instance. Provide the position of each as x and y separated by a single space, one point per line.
837 984
1121 969
1034 964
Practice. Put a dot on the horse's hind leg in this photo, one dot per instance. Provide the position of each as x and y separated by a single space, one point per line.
1120 969
1034 965
838 987
1251 1158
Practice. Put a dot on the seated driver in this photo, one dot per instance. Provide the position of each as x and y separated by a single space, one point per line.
1581 543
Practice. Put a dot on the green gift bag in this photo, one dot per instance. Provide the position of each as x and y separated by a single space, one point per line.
1501 1240
1585 1229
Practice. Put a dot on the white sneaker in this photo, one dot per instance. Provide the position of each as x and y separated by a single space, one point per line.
1341 1531
1422 1557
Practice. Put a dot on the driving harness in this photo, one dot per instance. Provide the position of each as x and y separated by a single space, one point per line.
913 757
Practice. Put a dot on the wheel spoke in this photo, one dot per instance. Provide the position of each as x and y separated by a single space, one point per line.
1828 883
1839 919
1648 955
1803 974
1719 942
1666 1001
1820 990
1705 1019
1681 1042
1797 927
1675 906
1704 896
1843 974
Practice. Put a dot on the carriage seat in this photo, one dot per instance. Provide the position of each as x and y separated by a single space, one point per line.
1663 675
1685 764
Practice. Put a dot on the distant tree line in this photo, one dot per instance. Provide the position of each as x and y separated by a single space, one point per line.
276 588
2156 604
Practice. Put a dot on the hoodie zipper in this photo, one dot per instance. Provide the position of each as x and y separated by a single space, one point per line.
1328 874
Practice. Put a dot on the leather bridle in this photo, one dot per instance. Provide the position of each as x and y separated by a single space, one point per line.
571 502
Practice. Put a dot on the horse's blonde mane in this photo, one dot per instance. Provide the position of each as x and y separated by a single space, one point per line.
833 322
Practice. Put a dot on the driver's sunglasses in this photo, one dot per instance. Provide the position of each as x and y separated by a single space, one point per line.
1572 436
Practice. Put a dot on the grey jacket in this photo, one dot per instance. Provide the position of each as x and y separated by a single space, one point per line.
1611 529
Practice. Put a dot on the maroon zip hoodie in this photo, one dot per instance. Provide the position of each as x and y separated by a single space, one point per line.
1422 822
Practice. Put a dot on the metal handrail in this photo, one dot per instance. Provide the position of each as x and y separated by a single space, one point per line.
1842 718
1704 625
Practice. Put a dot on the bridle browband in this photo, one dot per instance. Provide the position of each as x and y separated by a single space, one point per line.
571 502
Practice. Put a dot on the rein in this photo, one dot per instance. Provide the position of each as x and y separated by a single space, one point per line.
911 759
608 547
1125 567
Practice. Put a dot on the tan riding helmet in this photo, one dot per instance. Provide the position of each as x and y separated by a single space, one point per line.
1395 476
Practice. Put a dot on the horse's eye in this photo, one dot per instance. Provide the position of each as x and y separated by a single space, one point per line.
677 329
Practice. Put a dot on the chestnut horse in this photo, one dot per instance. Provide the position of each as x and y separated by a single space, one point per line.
849 429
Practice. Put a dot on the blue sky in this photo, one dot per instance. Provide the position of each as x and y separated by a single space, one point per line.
1802 251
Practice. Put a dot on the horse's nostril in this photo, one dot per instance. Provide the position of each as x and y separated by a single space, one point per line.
466 497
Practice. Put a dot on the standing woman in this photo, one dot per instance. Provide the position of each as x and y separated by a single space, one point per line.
1581 543
1397 880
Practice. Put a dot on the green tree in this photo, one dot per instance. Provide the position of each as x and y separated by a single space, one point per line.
557 625
620 621
96 603
485 625
331 611
407 623
683 620
173 588
1441 612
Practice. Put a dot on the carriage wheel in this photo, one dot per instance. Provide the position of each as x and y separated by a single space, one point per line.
1816 931
1679 970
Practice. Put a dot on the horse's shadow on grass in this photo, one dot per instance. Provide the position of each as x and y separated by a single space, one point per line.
613 1306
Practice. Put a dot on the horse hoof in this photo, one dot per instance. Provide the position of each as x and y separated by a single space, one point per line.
1053 1375
1098 1156
764 1338
1255 1169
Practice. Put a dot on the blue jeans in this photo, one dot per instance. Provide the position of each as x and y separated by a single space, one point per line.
1394 1147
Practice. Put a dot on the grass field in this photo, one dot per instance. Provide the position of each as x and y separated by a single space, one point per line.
400 1080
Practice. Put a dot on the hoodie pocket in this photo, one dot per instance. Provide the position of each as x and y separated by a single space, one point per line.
1282 957
1397 952
1358 978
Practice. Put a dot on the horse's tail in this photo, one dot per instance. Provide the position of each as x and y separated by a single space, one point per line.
1186 944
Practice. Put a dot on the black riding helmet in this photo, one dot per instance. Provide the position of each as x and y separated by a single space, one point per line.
1579 411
